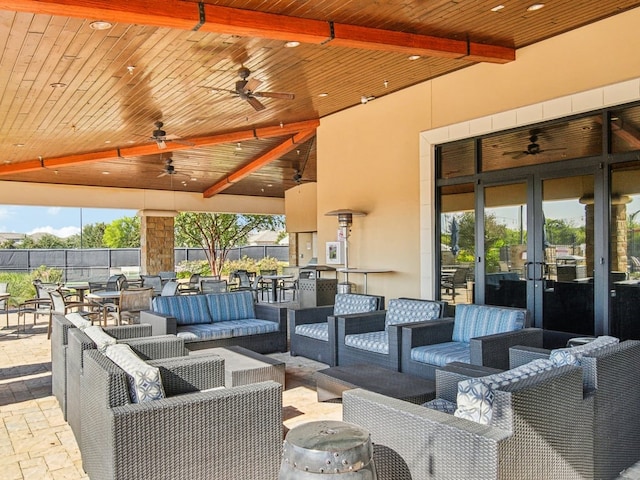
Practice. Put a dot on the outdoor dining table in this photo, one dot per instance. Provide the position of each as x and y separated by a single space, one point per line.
80 287
274 284
101 296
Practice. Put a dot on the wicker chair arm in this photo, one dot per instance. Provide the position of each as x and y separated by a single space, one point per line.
493 350
360 323
272 314
160 324
306 316
129 331
520 354
427 333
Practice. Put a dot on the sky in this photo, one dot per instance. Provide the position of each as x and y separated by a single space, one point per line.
60 221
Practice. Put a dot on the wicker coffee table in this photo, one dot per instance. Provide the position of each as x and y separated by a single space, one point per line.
331 382
243 366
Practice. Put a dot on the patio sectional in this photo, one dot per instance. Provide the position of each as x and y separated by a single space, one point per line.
218 320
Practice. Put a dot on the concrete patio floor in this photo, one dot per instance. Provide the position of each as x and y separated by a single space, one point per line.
37 443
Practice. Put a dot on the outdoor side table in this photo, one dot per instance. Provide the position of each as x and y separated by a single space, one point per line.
317 450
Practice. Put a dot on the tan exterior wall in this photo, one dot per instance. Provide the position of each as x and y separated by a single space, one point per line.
369 157
301 205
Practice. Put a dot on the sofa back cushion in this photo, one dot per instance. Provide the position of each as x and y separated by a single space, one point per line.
573 355
473 321
476 395
405 310
145 383
187 309
99 337
347 303
230 306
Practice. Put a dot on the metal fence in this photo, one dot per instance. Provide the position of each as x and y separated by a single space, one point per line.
99 263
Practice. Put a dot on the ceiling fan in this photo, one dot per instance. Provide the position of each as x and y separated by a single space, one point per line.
161 138
245 89
298 175
533 148
170 169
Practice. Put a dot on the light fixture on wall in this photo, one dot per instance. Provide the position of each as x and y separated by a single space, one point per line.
345 220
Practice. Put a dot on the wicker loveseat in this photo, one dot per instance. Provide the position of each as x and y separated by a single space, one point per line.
611 394
537 429
479 334
313 330
218 320
375 337
190 434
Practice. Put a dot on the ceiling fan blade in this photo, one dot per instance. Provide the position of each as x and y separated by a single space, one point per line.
255 103
225 90
282 95
552 149
519 155
251 85
162 174
513 152
161 144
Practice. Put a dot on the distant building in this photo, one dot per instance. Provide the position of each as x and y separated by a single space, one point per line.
267 237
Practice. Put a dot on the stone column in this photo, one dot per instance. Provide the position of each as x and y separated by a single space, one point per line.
157 241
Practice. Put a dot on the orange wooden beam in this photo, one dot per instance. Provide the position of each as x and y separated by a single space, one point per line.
151 149
259 162
216 19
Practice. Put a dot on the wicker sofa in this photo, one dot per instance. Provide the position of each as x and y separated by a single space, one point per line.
478 334
190 434
538 430
611 393
59 351
218 320
313 330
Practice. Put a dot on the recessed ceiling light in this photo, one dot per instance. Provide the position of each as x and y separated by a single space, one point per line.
497 8
323 94
107 141
535 6
194 179
414 57
238 147
292 44
269 185
100 25
58 85
18 144
105 173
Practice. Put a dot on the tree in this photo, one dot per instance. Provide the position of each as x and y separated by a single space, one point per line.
93 235
123 233
216 233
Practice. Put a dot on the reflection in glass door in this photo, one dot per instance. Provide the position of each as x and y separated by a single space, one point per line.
568 238
505 245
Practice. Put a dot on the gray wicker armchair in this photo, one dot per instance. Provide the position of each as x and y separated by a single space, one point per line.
541 432
376 337
313 330
612 394
147 347
59 352
220 434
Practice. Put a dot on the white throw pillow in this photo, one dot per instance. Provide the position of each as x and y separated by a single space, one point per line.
573 355
78 320
145 383
99 337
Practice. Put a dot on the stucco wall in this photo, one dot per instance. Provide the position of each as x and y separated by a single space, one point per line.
369 156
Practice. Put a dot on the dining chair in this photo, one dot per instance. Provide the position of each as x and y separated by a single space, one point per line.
213 286
153 281
60 305
4 303
131 302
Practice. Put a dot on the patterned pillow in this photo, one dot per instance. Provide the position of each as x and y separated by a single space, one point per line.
78 320
347 303
476 395
406 311
99 337
573 355
145 383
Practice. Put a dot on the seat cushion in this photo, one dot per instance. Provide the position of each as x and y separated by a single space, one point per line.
377 342
440 354
472 321
319 331
403 310
230 329
187 309
230 306
347 303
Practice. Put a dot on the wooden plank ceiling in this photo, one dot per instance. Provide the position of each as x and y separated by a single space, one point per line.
78 105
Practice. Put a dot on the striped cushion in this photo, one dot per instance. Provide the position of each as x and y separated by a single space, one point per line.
253 326
187 309
377 342
319 331
208 331
409 311
347 303
230 306
473 321
442 353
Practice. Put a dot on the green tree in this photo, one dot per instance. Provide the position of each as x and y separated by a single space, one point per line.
563 232
50 241
122 233
93 235
215 233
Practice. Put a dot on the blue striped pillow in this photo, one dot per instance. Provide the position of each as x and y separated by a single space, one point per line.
472 321
230 306
187 309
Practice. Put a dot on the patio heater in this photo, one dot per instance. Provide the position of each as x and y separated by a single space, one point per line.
345 220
